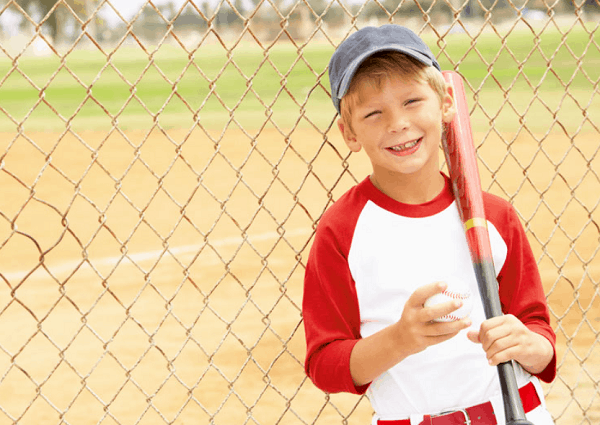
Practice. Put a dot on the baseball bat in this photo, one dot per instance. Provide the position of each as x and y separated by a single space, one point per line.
461 159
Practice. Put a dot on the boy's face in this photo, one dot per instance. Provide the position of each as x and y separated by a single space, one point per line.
400 128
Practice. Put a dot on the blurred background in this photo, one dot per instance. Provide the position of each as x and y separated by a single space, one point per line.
109 22
163 166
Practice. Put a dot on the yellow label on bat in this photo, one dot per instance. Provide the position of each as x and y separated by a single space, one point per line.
475 222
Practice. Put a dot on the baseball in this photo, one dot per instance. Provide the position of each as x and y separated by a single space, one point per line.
454 291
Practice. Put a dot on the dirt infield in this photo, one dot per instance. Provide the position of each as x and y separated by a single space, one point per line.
171 276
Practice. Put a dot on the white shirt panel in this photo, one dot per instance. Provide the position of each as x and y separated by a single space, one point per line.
390 257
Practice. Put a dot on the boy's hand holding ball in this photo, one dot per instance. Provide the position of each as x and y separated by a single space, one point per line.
420 326
455 290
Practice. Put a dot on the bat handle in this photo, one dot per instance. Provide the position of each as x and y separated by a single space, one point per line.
513 408
488 287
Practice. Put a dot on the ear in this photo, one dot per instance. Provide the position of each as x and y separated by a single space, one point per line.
349 136
448 108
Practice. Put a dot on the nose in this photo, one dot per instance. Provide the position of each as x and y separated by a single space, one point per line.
398 122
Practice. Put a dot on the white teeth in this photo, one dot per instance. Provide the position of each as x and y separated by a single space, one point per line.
400 148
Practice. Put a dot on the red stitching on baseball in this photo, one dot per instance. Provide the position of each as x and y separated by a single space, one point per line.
456 295
450 317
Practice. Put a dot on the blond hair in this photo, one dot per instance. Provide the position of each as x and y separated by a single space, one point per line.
378 68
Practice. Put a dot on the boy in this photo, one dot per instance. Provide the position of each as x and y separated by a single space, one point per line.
393 241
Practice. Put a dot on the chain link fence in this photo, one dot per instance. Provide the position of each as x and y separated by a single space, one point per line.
163 166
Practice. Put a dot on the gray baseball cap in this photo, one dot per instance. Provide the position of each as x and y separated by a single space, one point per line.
364 43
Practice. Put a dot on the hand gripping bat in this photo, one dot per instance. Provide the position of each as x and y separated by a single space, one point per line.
462 165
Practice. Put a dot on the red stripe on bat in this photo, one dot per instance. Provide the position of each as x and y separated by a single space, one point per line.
479 250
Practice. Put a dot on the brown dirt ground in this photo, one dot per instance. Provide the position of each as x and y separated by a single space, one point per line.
165 291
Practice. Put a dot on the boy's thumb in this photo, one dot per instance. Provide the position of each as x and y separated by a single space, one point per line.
473 337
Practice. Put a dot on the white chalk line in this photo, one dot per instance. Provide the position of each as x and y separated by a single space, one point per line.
192 249
141 257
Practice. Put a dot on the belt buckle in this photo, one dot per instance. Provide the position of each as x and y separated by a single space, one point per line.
463 411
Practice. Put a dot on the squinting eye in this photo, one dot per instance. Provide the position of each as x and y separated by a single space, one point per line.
370 114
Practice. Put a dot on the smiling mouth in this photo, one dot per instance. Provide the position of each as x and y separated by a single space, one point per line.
405 146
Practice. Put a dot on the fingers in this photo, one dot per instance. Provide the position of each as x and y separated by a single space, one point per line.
441 329
416 328
491 331
502 338
433 333
433 312
443 309
474 337
503 356
418 298
496 329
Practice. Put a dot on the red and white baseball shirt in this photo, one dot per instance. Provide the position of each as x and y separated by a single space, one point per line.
369 255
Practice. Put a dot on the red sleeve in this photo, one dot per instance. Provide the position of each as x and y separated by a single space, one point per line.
330 307
520 284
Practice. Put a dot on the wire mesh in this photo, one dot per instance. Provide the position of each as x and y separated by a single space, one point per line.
163 169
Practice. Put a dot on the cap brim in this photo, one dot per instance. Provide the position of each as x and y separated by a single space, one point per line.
355 64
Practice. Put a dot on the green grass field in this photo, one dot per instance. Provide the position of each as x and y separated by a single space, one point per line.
133 88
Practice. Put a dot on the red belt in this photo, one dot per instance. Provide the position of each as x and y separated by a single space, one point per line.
482 414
